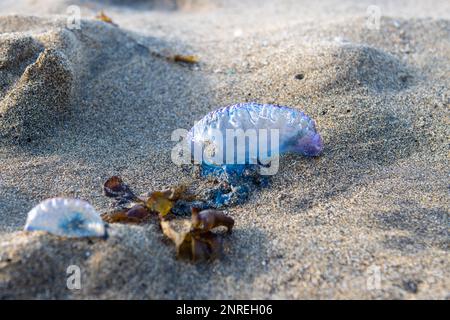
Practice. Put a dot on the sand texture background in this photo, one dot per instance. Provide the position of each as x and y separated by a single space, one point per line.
77 106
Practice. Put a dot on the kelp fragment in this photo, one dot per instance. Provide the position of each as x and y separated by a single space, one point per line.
193 239
179 192
206 246
165 200
191 244
103 17
178 231
136 214
191 59
207 220
119 215
114 187
131 208
128 207
159 202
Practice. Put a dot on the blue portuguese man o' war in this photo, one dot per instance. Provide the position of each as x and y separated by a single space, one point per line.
235 141
66 217
297 131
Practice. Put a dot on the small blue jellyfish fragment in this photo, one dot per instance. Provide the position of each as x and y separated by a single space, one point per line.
237 195
65 217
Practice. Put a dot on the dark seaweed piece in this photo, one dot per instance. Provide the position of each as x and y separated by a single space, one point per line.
117 215
179 192
164 201
114 187
193 239
136 214
207 220
185 58
205 246
179 231
192 245
159 202
103 17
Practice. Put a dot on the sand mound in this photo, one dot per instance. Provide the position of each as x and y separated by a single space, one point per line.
37 98
41 68
321 68
348 65
104 263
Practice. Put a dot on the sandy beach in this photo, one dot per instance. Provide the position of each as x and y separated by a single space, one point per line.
78 105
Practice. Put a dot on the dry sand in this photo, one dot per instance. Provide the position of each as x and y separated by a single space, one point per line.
77 106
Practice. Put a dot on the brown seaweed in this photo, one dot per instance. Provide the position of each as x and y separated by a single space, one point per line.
191 59
159 202
193 239
103 17
114 187
207 220
136 214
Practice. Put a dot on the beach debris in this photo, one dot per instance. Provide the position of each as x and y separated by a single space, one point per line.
191 59
66 217
170 56
181 59
207 220
130 208
159 202
117 216
103 17
115 188
193 238
189 244
165 200
136 214
178 192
